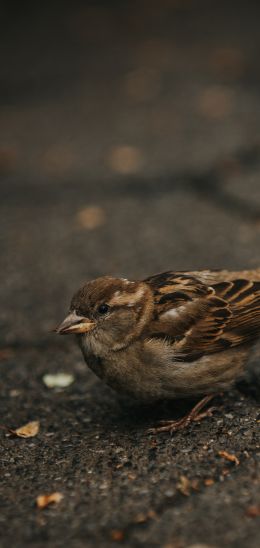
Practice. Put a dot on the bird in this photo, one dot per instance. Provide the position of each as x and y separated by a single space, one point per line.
177 334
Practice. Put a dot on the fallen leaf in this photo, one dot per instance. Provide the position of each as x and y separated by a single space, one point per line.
91 217
125 159
151 514
228 456
58 380
253 511
14 393
208 482
143 517
178 544
29 430
184 486
44 500
131 476
117 535
140 518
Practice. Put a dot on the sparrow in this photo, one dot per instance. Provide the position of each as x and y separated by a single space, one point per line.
172 335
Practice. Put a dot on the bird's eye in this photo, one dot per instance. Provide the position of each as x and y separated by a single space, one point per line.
103 308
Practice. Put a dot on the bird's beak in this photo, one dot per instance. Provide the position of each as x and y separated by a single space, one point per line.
75 324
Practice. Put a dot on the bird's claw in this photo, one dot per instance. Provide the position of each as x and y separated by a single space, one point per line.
194 415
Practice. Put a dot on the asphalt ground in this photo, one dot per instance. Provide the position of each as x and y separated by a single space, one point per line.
129 145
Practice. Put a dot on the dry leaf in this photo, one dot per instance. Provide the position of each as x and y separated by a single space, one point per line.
253 511
184 486
14 393
140 518
131 476
151 514
125 159
29 430
176 543
228 456
91 217
44 500
208 482
58 380
143 517
117 535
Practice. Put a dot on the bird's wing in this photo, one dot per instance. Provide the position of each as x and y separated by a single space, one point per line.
201 319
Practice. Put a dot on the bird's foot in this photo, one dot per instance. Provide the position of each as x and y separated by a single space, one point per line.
193 415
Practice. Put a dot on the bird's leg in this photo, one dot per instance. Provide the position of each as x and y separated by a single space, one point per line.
194 415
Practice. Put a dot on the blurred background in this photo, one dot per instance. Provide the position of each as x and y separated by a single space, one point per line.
129 145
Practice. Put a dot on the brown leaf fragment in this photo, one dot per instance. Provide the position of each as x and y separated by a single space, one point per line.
253 511
184 486
91 217
14 393
140 518
208 482
29 430
143 517
131 476
175 544
229 457
45 500
117 535
151 514
125 159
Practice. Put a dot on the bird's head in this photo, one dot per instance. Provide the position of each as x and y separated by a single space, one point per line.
111 312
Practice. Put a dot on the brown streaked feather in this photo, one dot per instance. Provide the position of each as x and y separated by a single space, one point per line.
203 317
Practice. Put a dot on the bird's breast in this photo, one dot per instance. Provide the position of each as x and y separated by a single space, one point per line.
149 371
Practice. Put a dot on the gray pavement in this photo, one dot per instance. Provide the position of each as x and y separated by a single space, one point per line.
129 144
